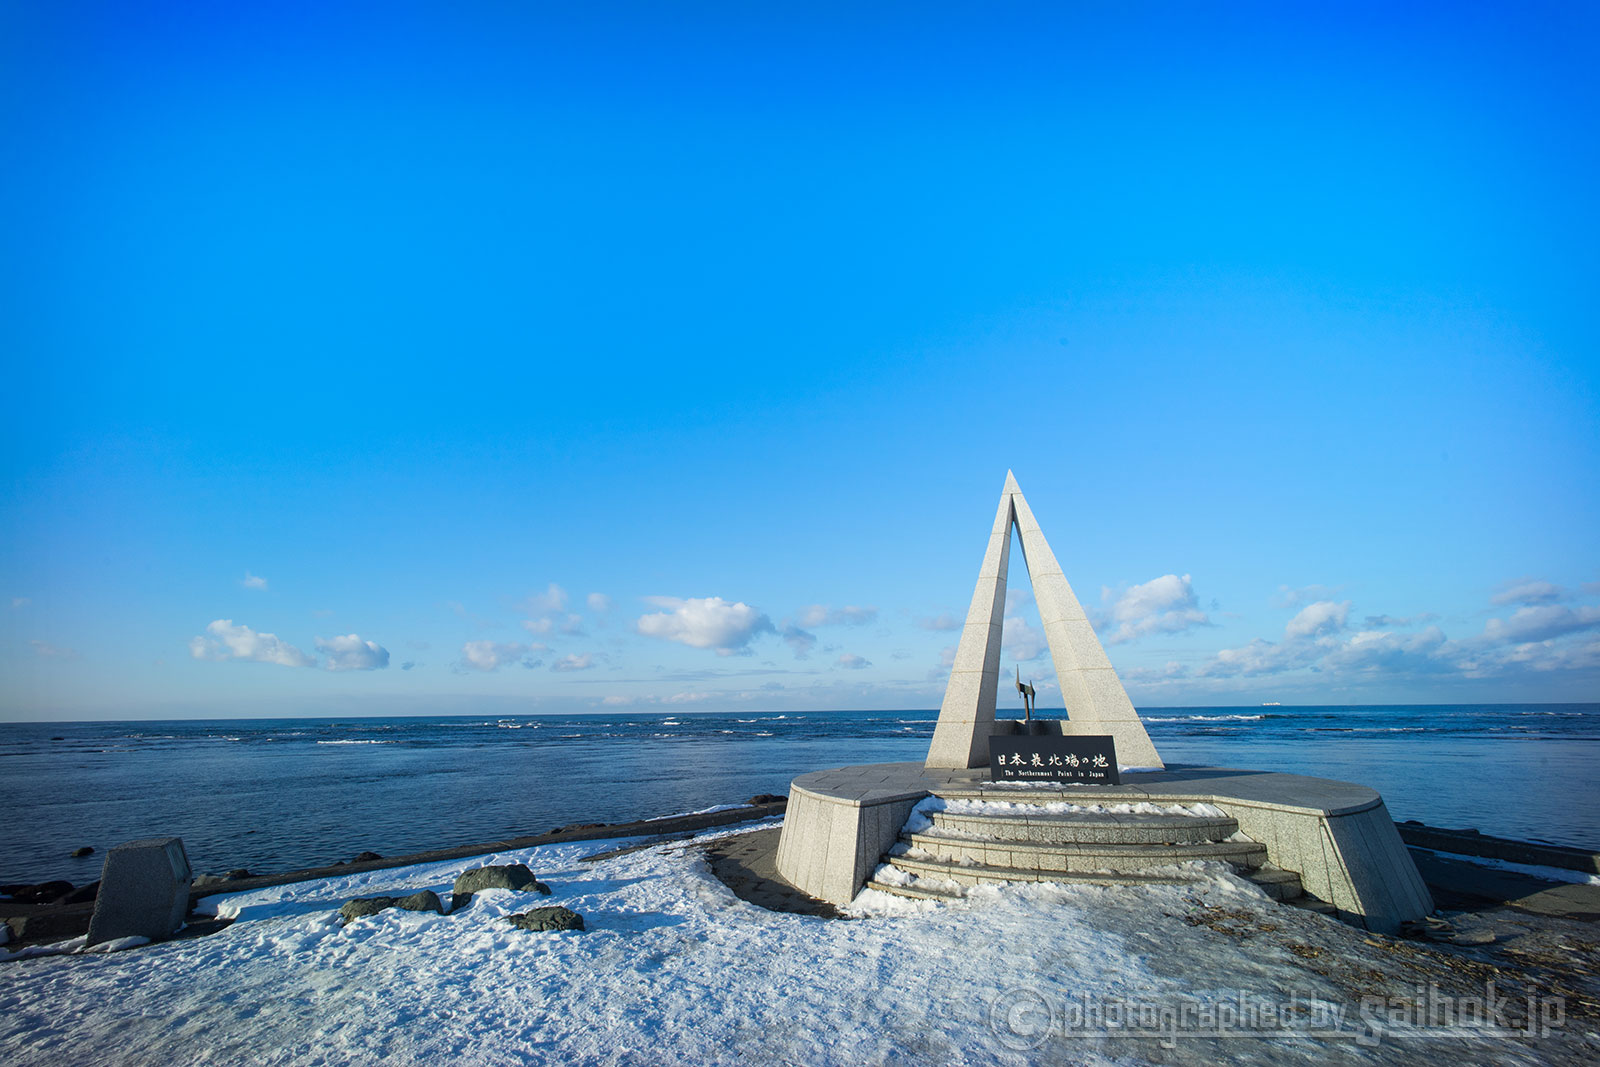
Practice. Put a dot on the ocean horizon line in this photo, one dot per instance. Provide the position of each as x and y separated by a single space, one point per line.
654 710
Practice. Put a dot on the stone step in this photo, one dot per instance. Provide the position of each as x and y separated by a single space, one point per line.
920 891
1073 856
951 871
1278 884
1085 828
1071 794
1282 886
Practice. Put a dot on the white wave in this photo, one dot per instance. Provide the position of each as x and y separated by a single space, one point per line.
1202 718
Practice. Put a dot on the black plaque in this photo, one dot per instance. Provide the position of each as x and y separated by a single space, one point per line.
1088 758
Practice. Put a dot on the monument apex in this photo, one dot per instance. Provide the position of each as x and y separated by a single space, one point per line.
1091 692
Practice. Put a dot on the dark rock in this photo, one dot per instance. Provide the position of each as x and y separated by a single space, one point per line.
82 895
43 893
219 879
554 918
12 889
47 926
366 857
58 739
477 879
362 907
79 853
767 798
424 900
579 826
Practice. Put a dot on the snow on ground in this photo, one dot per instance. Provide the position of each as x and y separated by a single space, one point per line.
675 969
920 819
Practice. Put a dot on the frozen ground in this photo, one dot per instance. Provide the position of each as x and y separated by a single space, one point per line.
675 969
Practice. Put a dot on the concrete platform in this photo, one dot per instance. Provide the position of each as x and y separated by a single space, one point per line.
1337 836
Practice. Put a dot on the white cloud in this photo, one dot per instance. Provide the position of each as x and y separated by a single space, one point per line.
227 641
1535 638
616 701
1378 650
1162 605
574 663
1537 624
1171 670
1528 591
686 698
1019 641
572 626
947 656
944 621
20 602
44 650
253 581
1379 622
821 615
853 662
553 599
799 640
350 653
538 626
1261 657
704 622
599 602
491 655
1322 617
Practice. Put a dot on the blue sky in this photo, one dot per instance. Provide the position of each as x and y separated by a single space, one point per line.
499 357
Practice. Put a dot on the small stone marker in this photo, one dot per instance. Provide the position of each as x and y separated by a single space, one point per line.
144 891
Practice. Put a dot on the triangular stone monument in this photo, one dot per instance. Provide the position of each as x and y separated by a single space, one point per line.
1095 701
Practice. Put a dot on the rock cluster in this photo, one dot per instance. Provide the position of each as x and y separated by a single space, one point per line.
40 893
361 907
508 876
205 880
513 876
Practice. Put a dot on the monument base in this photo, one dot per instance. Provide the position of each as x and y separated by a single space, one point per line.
1337 836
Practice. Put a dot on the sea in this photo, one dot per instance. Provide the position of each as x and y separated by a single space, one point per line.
271 795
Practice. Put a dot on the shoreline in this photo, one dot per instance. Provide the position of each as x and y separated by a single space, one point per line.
673 900
1444 857
46 922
